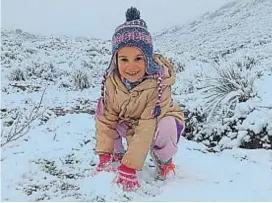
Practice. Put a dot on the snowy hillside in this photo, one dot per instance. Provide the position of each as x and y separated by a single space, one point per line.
239 25
67 68
49 89
225 61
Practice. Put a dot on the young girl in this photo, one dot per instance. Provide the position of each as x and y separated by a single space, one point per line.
136 104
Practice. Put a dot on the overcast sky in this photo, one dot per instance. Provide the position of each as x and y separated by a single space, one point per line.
97 18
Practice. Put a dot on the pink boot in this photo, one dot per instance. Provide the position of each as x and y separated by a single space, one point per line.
163 169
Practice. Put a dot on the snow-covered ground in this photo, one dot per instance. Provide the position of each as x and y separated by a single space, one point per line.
55 162
53 159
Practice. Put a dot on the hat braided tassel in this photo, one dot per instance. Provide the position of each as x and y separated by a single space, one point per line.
100 104
157 108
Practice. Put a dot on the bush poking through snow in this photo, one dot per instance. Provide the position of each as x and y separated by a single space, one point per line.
222 120
81 79
32 71
246 63
233 84
17 74
194 121
257 140
225 136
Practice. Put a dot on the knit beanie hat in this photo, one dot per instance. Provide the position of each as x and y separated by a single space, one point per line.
134 33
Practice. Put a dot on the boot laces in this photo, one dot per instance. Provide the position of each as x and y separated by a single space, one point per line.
164 170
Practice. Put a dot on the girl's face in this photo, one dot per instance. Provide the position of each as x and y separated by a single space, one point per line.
131 63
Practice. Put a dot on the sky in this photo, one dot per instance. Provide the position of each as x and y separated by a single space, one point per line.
97 19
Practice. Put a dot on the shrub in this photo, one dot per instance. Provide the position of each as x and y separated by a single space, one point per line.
224 118
17 74
233 83
81 79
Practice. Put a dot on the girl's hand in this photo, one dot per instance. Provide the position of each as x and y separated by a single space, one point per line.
105 164
126 178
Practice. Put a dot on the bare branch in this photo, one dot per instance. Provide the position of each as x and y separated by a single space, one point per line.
54 138
17 131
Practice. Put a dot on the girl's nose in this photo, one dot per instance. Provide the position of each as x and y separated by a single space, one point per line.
131 65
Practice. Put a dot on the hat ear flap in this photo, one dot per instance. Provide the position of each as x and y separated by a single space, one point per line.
116 62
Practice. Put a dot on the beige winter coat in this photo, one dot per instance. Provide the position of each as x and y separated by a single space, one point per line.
135 106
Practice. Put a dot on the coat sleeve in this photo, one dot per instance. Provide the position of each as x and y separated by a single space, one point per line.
145 131
106 126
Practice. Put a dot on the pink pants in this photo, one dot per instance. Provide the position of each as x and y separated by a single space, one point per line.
164 142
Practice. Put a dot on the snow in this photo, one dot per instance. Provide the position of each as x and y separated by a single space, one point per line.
233 175
55 159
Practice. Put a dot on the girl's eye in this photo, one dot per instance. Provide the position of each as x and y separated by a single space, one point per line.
124 60
139 59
